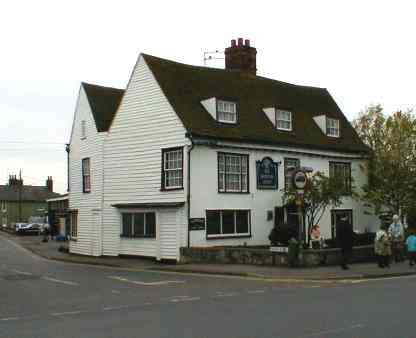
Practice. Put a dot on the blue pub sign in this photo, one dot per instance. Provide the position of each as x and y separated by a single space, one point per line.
267 174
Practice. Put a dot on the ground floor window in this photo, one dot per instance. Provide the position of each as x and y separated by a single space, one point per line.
228 223
138 224
74 224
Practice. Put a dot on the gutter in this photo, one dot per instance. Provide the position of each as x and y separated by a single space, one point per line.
188 193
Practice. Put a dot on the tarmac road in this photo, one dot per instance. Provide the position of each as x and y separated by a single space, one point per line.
41 298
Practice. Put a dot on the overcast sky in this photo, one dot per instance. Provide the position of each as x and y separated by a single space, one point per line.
362 51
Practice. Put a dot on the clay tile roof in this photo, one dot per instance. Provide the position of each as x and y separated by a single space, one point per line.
186 86
104 102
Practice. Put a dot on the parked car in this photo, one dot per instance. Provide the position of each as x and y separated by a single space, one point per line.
25 228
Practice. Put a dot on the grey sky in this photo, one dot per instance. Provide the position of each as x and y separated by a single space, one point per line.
362 51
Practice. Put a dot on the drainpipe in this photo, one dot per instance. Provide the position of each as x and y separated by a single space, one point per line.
188 195
67 149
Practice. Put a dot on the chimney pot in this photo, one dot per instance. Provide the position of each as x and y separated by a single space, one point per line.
241 57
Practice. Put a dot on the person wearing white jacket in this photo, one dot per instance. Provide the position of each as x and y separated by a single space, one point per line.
396 233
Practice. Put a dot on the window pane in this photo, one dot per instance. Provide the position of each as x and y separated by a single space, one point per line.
126 227
150 224
242 221
228 222
213 222
138 224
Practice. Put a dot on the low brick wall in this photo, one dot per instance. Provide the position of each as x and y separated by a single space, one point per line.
254 256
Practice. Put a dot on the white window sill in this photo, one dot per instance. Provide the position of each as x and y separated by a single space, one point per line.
228 122
219 236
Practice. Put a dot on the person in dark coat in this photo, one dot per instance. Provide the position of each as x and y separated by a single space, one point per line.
345 236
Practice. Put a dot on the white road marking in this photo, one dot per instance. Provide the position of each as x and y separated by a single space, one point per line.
115 291
341 329
112 308
22 272
256 291
59 281
179 300
226 294
68 313
121 279
9 318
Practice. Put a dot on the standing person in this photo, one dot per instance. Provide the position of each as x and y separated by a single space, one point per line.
315 236
345 240
46 232
411 248
382 247
396 233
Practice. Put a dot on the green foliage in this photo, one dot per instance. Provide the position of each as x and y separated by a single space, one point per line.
320 192
391 167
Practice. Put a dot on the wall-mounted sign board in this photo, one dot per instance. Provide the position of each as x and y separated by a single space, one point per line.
197 224
267 174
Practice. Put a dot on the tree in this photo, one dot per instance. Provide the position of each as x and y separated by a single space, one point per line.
320 192
392 164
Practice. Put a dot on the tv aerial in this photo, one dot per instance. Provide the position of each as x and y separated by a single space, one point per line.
213 55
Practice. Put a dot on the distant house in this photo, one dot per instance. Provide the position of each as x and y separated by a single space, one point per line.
94 112
18 202
197 156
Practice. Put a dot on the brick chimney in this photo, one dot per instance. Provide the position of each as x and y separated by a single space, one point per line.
49 184
14 181
240 56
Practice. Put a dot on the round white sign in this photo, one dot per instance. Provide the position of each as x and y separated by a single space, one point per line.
299 179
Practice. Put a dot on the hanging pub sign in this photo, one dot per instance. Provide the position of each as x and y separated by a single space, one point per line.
267 174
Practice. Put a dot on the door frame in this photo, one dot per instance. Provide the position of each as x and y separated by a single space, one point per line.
333 218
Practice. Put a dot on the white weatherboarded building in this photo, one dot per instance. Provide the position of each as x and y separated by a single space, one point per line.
197 156
94 111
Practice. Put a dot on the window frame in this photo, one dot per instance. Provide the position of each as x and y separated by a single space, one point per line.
132 214
348 180
217 102
233 235
224 190
163 170
86 189
83 129
277 111
328 127
73 214
286 177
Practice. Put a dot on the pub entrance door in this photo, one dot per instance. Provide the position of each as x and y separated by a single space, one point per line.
336 216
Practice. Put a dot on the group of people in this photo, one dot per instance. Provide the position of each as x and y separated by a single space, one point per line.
390 242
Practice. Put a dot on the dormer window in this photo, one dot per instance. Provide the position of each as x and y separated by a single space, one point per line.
226 111
283 120
332 127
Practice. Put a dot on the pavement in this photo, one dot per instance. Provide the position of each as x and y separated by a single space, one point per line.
43 298
50 251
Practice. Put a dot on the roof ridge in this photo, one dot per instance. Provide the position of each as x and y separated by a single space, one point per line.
230 71
100 86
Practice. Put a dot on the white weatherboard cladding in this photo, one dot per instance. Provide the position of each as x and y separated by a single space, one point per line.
88 241
204 195
144 124
321 122
211 106
271 114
